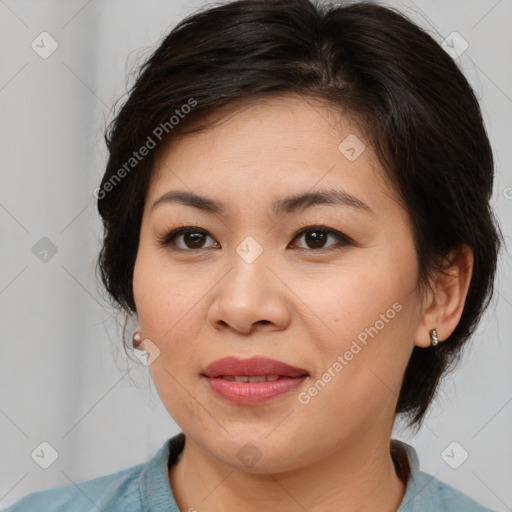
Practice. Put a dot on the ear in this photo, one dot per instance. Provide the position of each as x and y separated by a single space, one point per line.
444 302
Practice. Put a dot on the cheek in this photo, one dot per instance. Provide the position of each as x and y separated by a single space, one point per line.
171 315
163 296
350 297
367 313
166 305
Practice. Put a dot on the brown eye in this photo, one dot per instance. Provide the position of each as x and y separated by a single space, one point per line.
193 240
188 238
316 238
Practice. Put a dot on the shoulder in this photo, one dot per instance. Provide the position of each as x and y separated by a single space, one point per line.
424 492
141 487
433 494
116 491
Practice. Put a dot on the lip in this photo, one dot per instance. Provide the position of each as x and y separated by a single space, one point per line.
252 367
252 393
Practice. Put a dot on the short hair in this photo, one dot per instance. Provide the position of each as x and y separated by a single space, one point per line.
368 61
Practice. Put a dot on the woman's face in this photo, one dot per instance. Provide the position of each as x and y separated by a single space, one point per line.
338 301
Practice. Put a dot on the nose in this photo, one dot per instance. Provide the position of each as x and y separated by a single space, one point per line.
249 297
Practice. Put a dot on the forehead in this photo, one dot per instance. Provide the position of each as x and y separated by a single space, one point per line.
280 144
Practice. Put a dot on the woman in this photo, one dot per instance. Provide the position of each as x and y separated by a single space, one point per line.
296 209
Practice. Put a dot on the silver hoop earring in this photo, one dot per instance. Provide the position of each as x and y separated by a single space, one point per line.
433 337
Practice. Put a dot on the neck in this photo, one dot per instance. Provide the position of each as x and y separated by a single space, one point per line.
361 477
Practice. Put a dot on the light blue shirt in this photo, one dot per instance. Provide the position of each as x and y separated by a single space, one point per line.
146 488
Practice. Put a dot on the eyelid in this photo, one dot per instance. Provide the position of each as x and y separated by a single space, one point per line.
165 240
329 231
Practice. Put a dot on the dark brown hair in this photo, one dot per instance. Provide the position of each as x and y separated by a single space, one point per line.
416 108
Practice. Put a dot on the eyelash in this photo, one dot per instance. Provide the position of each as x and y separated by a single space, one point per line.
166 240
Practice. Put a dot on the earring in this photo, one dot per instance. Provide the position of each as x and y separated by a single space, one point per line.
433 337
137 337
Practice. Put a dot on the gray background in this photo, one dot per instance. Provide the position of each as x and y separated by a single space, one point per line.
64 378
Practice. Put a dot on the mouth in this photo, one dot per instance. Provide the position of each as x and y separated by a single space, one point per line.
252 381
252 367
252 378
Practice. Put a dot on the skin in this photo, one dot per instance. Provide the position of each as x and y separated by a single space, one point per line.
294 303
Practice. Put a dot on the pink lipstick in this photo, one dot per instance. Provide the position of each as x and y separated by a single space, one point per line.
252 381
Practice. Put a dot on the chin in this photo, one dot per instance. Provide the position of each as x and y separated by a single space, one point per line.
257 454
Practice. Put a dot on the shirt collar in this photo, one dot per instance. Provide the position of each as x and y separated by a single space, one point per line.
155 488
412 489
156 493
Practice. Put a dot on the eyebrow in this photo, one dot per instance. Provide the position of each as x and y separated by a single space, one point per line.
294 203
